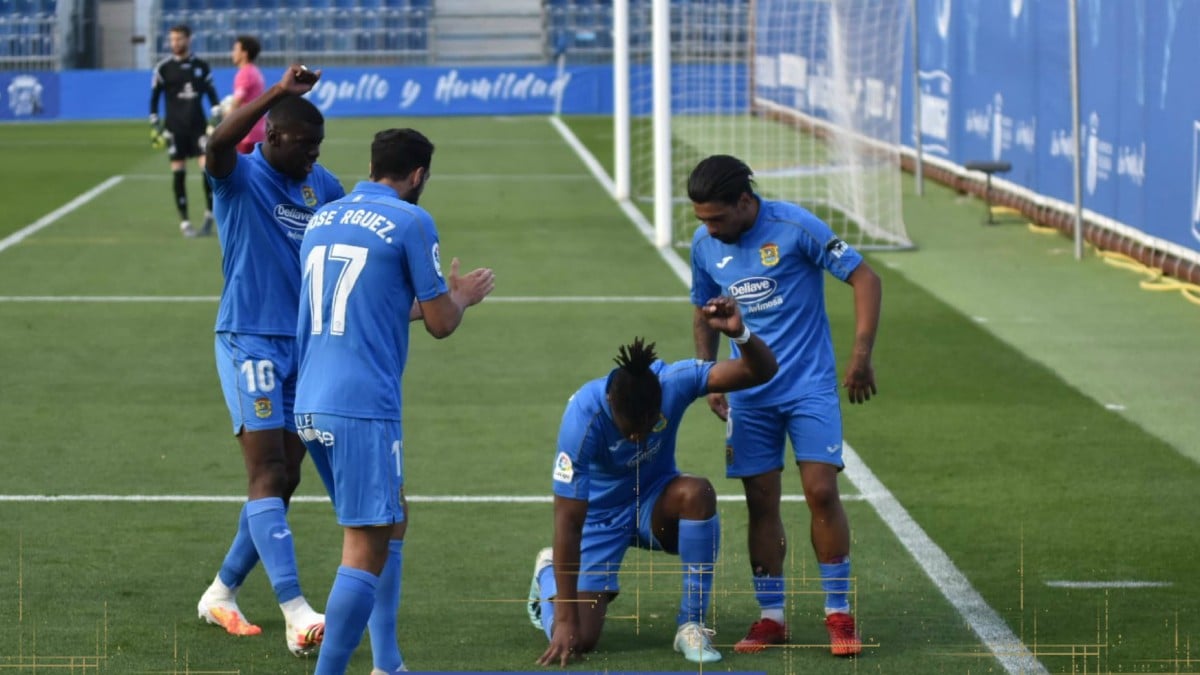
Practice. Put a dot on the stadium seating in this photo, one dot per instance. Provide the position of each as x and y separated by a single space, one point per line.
28 34
324 31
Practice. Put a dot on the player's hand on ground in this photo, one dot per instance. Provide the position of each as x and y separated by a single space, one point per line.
860 379
299 80
563 648
719 405
723 315
472 288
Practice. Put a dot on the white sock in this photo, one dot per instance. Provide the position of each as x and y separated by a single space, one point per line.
297 608
219 589
775 614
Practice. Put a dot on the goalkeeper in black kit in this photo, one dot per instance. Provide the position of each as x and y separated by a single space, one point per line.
184 80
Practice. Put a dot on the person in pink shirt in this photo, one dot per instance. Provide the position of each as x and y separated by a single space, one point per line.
248 85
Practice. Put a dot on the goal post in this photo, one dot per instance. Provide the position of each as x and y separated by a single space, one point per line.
807 92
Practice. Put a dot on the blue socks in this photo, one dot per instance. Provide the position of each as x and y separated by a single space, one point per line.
835 580
382 625
699 541
549 588
768 591
350 602
242 556
267 522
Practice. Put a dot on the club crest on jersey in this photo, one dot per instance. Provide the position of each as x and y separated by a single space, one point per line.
564 471
660 424
769 254
310 197
262 408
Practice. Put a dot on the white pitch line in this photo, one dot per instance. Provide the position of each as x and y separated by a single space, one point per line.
230 499
52 217
566 299
1008 649
677 265
1108 584
1012 654
441 177
109 298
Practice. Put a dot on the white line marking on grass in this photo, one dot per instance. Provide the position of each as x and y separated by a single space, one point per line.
109 298
426 499
1108 584
1013 655
591 298
441 177
52 217
681 269
512 299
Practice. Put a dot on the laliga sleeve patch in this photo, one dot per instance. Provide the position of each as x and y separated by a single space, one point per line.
564 471
436 252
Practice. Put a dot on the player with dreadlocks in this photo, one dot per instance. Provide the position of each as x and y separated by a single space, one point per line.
616 485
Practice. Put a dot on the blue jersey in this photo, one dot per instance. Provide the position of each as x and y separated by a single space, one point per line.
595 462
775 271
262 215
366 257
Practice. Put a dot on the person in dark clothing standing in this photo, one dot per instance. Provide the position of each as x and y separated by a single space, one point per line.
184 80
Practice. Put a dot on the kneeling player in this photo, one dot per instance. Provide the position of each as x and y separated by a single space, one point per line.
616 485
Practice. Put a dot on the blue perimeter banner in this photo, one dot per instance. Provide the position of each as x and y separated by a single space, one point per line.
994 82
357 91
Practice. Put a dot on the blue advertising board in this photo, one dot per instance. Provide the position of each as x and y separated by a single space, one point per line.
28 96
994 80
993 77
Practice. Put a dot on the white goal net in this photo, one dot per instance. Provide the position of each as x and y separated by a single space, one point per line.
807 92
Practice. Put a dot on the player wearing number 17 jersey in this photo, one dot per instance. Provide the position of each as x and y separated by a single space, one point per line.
371 264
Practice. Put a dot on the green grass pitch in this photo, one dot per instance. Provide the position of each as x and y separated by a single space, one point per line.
121 481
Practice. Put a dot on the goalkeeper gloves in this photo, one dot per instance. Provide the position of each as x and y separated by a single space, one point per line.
158 138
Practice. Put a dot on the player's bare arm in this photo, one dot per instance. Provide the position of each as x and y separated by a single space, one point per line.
868 297
756 363
706 340
569 515
221 154
443 314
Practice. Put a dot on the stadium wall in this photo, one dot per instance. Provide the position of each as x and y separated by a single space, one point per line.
357 91
994 84
993 77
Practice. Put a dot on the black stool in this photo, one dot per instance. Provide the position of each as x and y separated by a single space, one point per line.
988 168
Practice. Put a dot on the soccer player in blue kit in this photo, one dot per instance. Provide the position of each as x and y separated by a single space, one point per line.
771 256
371 264
263 201
616 485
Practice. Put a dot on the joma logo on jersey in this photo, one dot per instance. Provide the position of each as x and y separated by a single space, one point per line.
753 289
292 216
769 254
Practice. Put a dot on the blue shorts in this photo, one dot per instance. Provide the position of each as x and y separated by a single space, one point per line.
361 463
258 377
754 437
607 535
